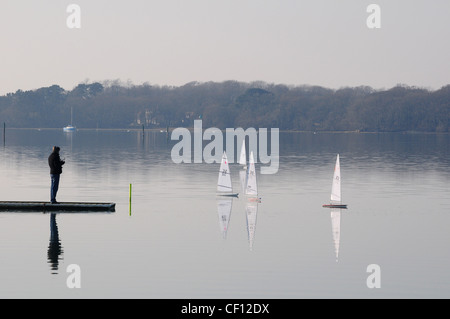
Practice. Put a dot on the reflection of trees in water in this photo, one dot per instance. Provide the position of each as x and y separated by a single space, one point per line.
54 248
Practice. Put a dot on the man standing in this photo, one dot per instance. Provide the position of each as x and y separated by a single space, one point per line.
55 163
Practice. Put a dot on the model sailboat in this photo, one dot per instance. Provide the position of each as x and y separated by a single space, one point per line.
243 155
336 188
224 186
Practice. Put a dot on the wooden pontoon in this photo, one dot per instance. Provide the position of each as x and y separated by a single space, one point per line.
62 207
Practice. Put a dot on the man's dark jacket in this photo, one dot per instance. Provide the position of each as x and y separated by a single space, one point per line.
55 163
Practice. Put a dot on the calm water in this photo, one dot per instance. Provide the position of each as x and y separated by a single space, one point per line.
173 245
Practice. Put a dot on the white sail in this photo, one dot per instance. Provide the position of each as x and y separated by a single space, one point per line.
224 211
251 210
336 186
224 181
336 230
243 156
251 188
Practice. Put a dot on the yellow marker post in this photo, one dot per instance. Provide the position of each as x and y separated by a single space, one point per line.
130 199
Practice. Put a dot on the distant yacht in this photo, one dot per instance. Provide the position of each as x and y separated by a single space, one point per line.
70 128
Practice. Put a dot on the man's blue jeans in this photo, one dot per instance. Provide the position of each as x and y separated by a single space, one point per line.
54 187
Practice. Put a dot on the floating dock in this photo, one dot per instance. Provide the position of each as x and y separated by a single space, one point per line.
335 206
59 207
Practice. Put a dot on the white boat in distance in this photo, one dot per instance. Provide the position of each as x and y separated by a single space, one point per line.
335 201
224 186
70 128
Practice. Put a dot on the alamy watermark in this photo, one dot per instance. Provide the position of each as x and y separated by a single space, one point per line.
73 21
374 19
74 279
212 152
374 279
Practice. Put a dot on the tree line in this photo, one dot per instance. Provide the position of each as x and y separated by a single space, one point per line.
113 104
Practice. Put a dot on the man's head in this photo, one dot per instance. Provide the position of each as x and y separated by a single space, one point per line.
56 149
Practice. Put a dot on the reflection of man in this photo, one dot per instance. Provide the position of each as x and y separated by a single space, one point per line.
55 163
54 247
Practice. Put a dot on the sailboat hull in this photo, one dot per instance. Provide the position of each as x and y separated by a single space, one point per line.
335 206
229 195
69 129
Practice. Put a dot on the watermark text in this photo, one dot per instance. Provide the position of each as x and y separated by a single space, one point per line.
74 19
183 152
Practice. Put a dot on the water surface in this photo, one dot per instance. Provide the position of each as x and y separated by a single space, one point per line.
174 243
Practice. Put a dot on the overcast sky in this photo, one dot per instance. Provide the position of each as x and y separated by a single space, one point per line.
172 42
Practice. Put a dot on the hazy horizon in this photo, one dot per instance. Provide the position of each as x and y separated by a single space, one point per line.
175 42
129 83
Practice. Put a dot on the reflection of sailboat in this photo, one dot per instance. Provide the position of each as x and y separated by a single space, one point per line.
54 247
224 211
243 179
336 229
336 188
251 210
251 188
70 128
224 186
243 172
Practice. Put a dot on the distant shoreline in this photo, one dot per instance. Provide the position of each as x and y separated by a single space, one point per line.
160 130
231 104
